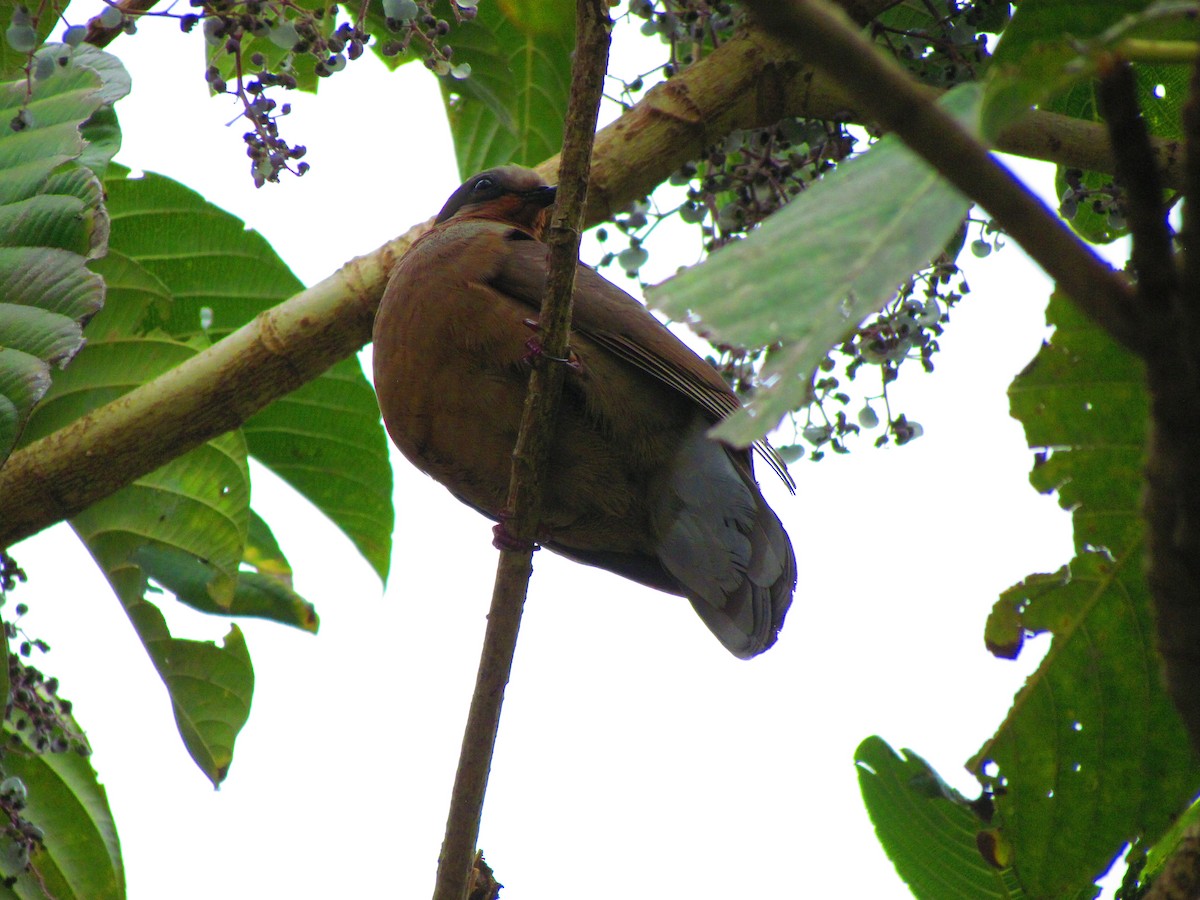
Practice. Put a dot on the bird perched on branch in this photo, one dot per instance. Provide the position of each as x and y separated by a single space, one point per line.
634 484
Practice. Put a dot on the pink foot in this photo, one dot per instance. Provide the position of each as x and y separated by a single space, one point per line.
534 351
503 540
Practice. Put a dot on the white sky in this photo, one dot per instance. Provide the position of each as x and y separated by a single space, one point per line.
636 758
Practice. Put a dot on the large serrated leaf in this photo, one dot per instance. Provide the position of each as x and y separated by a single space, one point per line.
1093 754
52 220
325 439
818 267
80 858
928 830
512 107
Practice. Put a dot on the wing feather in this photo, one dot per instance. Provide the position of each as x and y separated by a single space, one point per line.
620 324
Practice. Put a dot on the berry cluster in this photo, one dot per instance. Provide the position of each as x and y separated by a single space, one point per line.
943 44
262 44
906 329
258 45
737 183
36 720
265 44
689 27
415 27
22 36
1106 199
40 717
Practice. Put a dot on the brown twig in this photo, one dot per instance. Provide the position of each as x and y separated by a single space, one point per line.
1171 498
99 35
531 454
1146 212
888 95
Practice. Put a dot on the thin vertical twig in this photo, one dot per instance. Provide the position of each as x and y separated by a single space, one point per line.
530 456
1171 494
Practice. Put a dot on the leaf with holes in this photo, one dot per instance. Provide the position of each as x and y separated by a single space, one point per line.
1093 754
1099 216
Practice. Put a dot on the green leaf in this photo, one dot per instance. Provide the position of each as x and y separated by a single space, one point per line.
52 220
1156 857
325 439
264 553
512 107
818 267
1051 47
200 584
1160 94
541 16
929 831
80 858
1093 754
210 687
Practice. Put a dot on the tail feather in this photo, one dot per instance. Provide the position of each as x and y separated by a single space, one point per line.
725 546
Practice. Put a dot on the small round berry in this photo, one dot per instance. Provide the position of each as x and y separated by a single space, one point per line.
111 17
74 35
21 38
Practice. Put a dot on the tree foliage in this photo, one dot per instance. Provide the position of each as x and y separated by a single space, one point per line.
150 346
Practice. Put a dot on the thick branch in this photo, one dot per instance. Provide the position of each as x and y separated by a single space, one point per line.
888 95
215 391
531 454
750 81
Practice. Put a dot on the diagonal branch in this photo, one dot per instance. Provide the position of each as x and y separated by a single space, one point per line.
531 454
888 95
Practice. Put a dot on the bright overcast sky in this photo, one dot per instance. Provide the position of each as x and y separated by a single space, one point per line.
636 758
